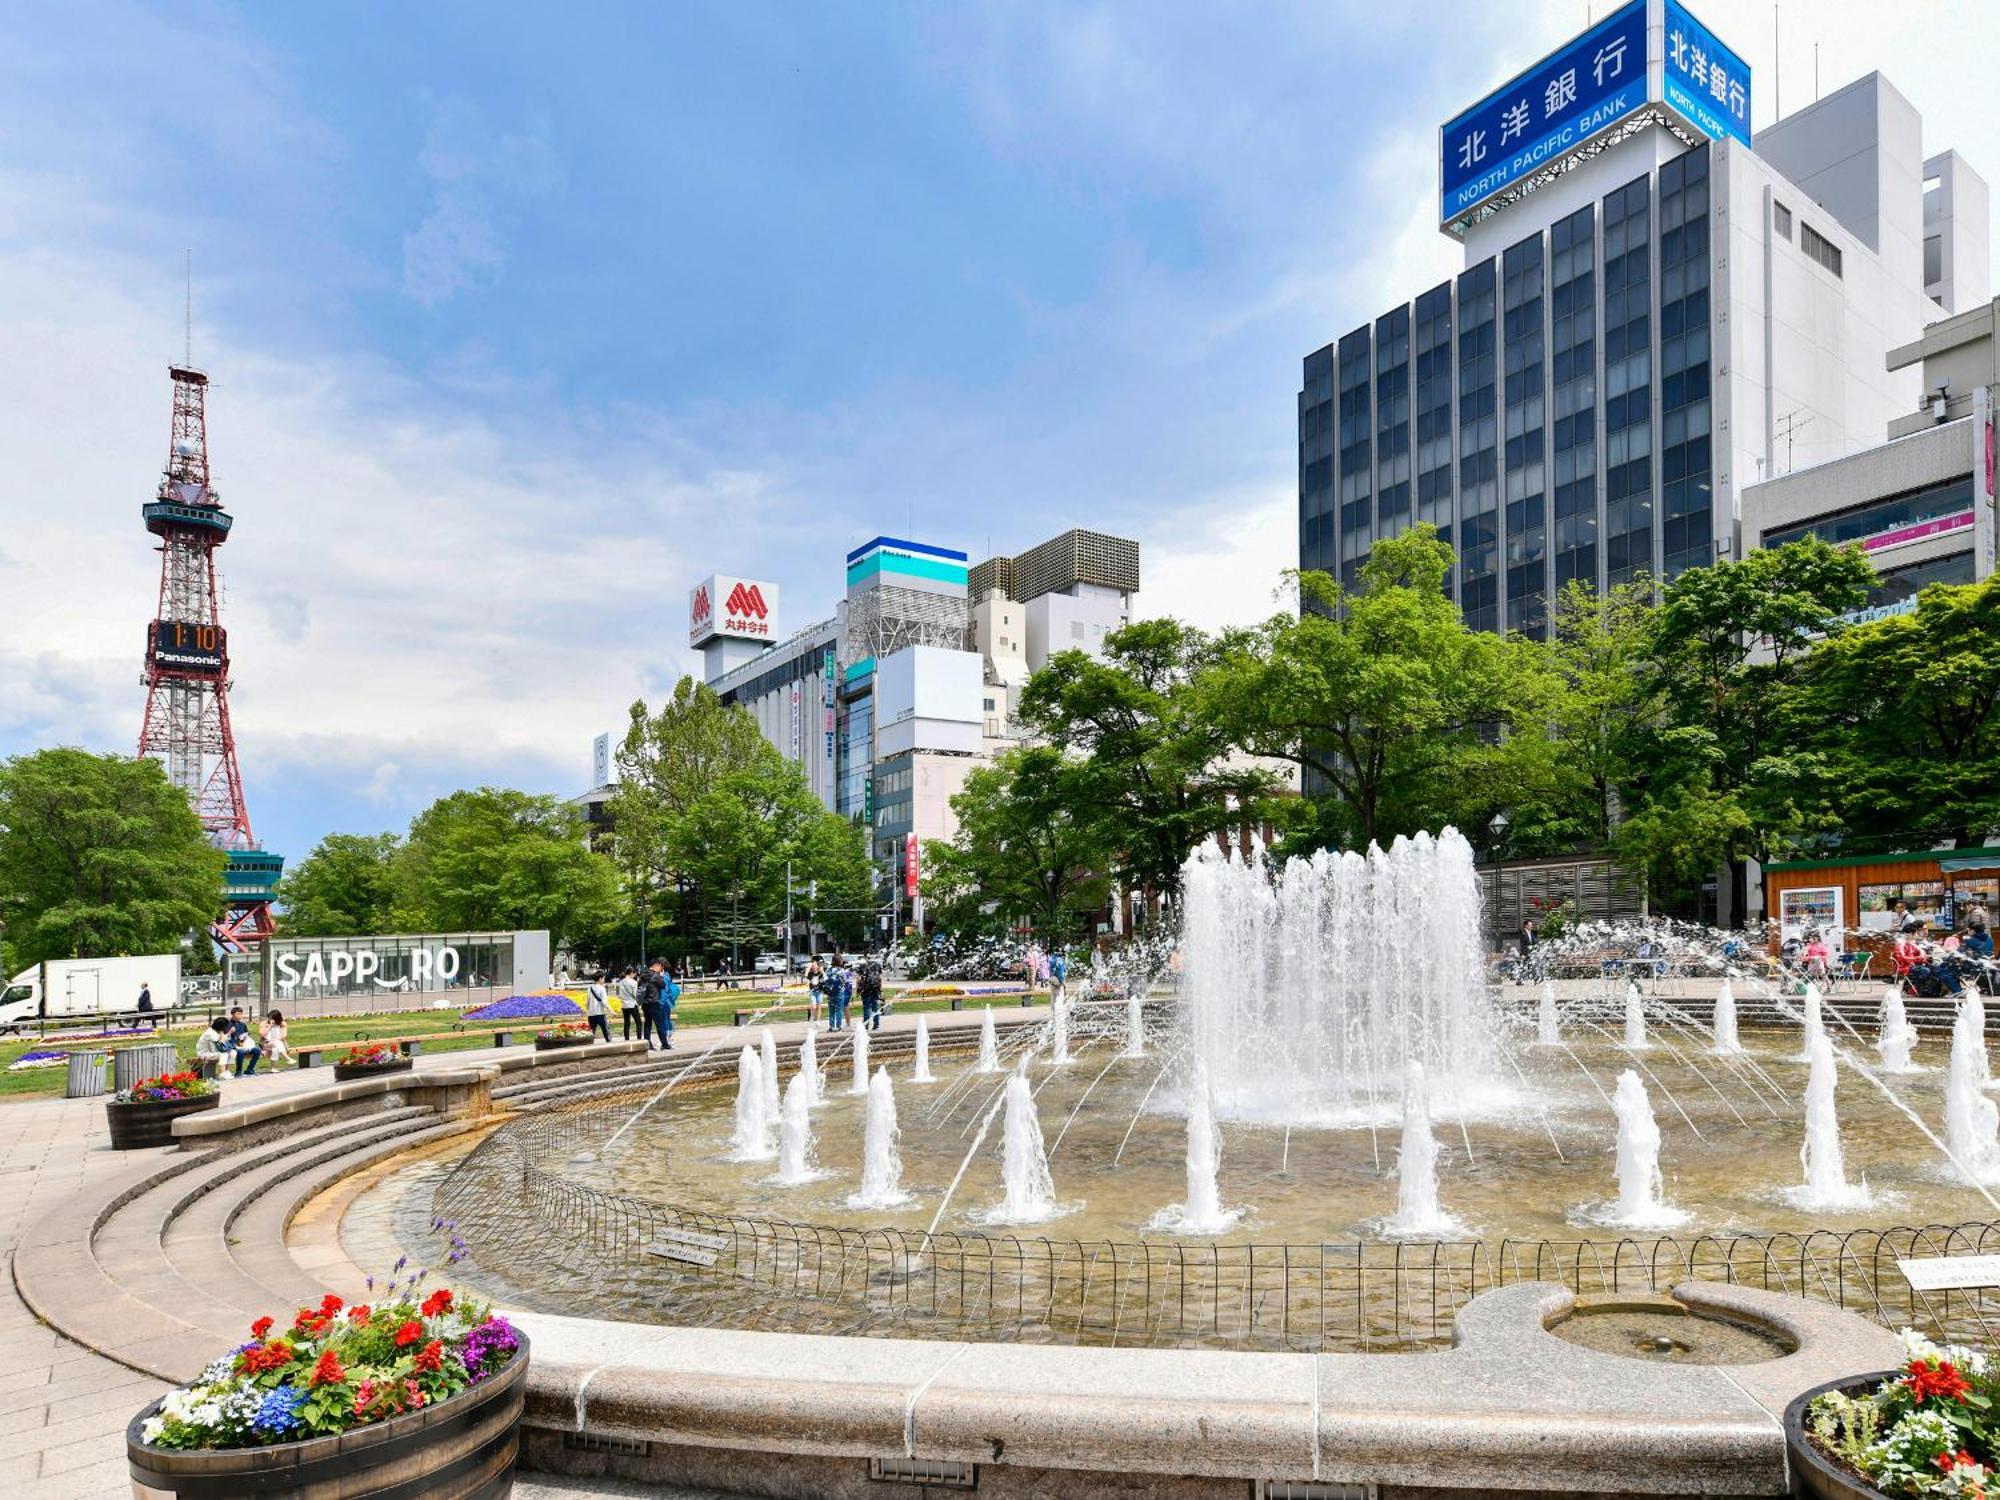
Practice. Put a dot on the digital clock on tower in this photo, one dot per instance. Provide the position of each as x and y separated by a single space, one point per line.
181 646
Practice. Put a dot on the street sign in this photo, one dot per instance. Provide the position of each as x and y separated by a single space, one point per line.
1951 1272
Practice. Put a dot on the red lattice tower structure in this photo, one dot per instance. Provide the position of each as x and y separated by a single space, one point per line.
187 667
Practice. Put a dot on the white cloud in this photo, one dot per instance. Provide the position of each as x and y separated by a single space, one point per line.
1222 563
478 181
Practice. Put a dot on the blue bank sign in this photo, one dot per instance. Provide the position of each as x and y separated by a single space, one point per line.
1575 95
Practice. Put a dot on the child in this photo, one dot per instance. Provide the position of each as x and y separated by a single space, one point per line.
273 1033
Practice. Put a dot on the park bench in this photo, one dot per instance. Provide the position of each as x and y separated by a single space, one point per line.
958 1002
312 1054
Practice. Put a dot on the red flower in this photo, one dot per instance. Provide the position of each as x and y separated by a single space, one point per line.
330 1303
431 1356
415 1392
437 1302
327 1371
1950 1461
259 1328
409 1333
1940 1382
358 1313
267 1357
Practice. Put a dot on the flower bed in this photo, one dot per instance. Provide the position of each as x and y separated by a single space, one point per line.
144 1115
366 1059
37 1059
166 1088
1929 1428
525 1008
570 1034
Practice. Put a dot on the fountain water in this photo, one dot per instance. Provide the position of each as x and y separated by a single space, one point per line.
1031 1194
1135 1024
1971 1120
1815 1024
1825 1167
860 1084
1972 1011
921 1073
1306 997
795 1134
1897 1036
881 1166
1417 1210
751 1139
1203 1212
1635 1020
809 1066
1641 1189
1059 1026
768 1042
989 1044
1547 1032
1726 1043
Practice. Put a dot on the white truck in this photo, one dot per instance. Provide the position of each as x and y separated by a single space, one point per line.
85 988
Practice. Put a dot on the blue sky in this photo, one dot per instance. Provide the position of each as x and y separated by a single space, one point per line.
523 318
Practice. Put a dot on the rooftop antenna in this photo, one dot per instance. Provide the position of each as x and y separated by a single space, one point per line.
187 354
1788 426
1815 72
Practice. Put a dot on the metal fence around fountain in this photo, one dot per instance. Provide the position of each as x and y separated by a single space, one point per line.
524 1219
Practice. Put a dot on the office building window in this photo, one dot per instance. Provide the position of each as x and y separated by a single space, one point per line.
1316 445
1781 219
1628 382
1392 422
1819 248
1524 271
1687 479
1478 448
1356 490
1573 391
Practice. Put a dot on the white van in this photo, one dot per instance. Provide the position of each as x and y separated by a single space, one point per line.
85 988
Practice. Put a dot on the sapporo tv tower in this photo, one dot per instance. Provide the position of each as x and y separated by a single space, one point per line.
187 668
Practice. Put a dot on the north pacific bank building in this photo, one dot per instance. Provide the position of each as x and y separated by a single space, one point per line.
1658 309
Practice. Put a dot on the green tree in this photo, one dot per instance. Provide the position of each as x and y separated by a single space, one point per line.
1023 852
1905 712
345 887
1153 773
1604 713
1385 698
100 856
497 859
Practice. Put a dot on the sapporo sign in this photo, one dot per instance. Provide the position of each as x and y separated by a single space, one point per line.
352 969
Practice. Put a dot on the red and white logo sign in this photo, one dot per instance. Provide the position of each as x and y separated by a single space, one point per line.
910 859
733 608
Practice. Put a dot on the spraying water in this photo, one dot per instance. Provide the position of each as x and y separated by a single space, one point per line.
1059 1025
1897 1036
809 1066
1135 1024
860 1084
1203 1212
795 1134
1825 1166
768 1042
881 1165
1031 1194
921 1073
1641 1189
1547 1032
1417 1210
1307 996
1815 1029
1726 1043
1635 1020
989 1044
751 1139
1972 1010
1971 1120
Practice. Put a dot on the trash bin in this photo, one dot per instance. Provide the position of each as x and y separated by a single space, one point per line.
131 1064
86 1075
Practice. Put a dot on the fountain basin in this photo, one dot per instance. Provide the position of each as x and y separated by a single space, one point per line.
1661 1330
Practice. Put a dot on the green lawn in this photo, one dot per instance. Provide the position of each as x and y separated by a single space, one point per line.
694 1010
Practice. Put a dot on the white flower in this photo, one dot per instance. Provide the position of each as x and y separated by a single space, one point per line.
152 1429
1916 1346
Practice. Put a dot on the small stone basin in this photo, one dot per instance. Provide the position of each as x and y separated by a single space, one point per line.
1662 1330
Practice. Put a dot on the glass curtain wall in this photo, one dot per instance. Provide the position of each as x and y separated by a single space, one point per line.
1356 459
1628 382
1573 376
1686 471
1478 450
1433 391
1392 422
1524 276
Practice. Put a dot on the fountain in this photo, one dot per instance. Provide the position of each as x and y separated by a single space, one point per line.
1059 1027
1972 1011
921 1073
1202 1212
860 1084
1815 1024
989 1044
768 1042
1365 962
751 1139
1971 1120
1547 1032
881 1166
1641 1190
1417 1212
1635 1019
809 1066
1031 1194
1897 1036
795 1135
1135 1024
1826 1185
1725 1021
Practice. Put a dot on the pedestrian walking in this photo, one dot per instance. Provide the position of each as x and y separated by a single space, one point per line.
815 988
869 981
597 1008
628 1004
650 985
1058 976
836 995
670 999
146 1006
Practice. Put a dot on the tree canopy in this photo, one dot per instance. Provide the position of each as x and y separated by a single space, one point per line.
346 886
100 856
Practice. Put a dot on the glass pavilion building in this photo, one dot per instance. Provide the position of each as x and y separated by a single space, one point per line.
1651 317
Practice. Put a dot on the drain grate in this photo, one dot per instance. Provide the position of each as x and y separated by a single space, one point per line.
1309 1489
946 1473
590 1442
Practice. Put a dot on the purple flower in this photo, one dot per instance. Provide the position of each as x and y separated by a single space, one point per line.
489 1344
525 1008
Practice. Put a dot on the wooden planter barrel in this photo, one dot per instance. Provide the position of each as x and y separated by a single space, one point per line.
547 1046
1815 1474
150 1122
461 1449
343 1072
